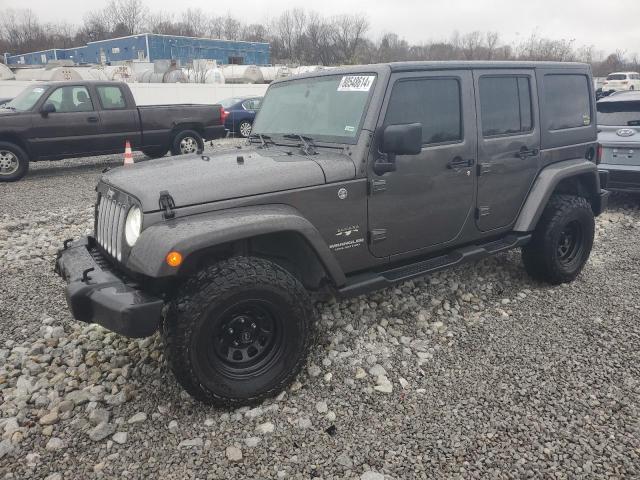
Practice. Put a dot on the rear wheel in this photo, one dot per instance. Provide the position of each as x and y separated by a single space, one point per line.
244 128
14 162
239 331
562 240
187 142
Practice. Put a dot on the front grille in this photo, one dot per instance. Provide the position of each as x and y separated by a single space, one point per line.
110 220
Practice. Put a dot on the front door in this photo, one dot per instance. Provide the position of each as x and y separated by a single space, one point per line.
508 144
430 197
74 127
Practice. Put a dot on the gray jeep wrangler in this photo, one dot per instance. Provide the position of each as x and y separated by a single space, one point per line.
352 180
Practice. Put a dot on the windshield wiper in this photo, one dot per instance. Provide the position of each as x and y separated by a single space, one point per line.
307 145
262 137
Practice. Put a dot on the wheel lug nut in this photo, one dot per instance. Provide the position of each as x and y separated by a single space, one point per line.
235 343
230 331
254 326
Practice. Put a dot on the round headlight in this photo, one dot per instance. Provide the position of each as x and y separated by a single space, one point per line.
133 226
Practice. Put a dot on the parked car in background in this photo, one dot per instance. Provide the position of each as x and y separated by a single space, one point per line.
4 100
56 120
619 138
620 81
239 113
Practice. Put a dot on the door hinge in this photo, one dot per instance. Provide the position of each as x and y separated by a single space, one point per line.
377 185
483 212
484 168
167 205
377 235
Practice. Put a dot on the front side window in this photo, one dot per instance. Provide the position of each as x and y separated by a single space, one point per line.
111 98
505 105
71 99
567 100
433 102
328 108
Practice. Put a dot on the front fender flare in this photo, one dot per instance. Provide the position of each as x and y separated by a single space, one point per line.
188 235
546 183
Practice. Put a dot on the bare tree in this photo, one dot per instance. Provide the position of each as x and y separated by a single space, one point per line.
349 31
127 15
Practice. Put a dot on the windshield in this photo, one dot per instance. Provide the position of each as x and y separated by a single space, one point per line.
227 102
617 76
328 108
26 99
619 114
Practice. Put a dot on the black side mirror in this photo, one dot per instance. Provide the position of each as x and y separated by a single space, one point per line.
405 139
47 108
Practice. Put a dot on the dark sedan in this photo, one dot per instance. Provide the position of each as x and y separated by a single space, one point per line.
240 113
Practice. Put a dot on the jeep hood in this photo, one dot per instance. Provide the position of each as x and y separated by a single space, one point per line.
233 173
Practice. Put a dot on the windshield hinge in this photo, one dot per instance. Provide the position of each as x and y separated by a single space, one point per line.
167 205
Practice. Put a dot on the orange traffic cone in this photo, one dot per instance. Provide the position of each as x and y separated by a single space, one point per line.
128 156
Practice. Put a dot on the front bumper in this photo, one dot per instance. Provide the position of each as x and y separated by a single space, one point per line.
96 294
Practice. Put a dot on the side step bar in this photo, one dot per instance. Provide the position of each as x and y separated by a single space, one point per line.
367 282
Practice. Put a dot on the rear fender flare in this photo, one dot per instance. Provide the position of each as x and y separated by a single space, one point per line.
189 235
548 180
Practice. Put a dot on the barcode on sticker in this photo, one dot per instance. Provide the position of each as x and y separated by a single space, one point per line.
356 83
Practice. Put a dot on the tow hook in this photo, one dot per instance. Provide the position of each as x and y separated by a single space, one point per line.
85 274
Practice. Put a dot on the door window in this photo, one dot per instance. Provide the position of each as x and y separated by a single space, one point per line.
252 104
505 105
433 102
567 100
111 97
71 99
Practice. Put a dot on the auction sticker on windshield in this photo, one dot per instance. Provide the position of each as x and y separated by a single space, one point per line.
356 83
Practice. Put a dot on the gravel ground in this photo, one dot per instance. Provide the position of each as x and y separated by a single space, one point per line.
476 372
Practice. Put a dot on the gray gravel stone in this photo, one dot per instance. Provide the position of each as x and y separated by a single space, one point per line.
233 454
101 431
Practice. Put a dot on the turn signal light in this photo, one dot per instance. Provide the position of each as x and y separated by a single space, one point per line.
174 259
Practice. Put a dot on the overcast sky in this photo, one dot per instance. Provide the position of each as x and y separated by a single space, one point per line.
610 25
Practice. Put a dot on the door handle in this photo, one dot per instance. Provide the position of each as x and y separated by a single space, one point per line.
459 162
92 119
524 153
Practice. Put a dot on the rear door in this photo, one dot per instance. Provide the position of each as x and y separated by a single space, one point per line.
74 127
429 198
119 120
508 144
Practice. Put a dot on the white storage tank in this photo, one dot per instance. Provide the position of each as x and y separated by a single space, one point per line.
242 74
119 73
175 76
210 75
6 73
29 74
269 74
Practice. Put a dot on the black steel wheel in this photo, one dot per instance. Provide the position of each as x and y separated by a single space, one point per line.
562 241
239 331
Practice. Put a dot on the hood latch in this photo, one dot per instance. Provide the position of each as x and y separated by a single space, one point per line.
167 205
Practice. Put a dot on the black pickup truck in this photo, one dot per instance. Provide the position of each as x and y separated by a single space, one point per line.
56 120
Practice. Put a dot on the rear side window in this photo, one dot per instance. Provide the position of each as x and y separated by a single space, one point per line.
433 102
619 114
617 76
567 100
505 104
111 97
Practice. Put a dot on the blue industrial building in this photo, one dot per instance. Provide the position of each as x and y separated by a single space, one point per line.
150 47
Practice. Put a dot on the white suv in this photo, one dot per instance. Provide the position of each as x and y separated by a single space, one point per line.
619 81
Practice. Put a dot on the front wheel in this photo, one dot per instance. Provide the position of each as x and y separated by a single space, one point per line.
187 142
562 240
239 331
14 162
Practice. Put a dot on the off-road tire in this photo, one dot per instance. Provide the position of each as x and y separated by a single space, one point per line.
22 161
543 257
155 152
186 134
199 311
